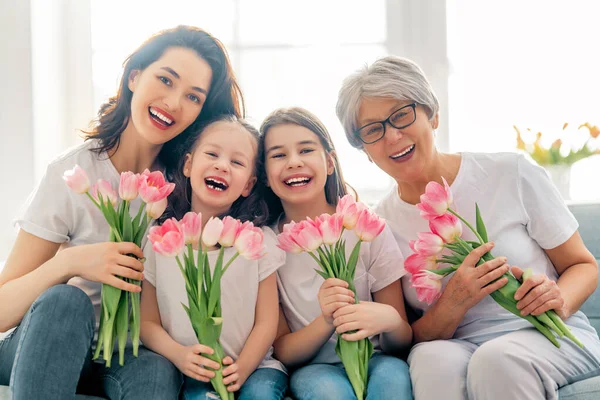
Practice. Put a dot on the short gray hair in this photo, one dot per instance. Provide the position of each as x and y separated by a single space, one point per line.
391 76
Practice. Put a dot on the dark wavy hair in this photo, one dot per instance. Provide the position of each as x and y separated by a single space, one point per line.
224 97
335 186
251 208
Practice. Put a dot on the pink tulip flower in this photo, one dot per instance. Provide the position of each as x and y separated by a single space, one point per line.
212 232
417 262
428 244
436 200
153 187
191 226
105 189
287 244
155 210
330 226
447 226
128 185
368 225
350 209
306 235
77 180
428 286
249 242
231 229
167 239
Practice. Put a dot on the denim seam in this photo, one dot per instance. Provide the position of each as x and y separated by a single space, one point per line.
117 382
25 325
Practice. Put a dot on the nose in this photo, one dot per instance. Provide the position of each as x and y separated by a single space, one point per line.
294 161
221 164
172 101
392 134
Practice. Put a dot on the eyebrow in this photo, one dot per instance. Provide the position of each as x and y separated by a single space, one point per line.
176 75
299 143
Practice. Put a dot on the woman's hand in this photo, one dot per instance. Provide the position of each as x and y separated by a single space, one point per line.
539 294
233 377
105 262
367 318
471 283
189 361
333 295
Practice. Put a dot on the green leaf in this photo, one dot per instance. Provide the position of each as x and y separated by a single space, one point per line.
352 260
122 326
322 274
215 290
480 226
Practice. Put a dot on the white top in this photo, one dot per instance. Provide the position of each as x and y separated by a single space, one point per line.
239 293
55 213
523 213
380 263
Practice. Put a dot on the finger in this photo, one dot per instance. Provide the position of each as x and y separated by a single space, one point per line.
338 298
206 362
492 287
197 377
130 262
331 282
353 337
555 304
232 369
528 285
231 378
338 290
202 349
125 272
348 326
473 257
121 284
347 309
489 266
493 275
537 303
517 272
198 370
228 360
233 388
533 295
331 309
130 248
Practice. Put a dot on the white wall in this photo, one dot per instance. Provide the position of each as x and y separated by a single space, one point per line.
16 126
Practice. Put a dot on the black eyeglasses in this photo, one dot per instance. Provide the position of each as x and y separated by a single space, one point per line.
399 119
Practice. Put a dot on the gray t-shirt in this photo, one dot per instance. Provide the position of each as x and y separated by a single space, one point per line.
380 263
239 293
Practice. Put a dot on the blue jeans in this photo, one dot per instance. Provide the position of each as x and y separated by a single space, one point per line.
263 384
388 378
48 356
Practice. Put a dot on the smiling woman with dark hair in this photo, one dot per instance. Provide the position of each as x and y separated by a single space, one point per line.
172 82
390 111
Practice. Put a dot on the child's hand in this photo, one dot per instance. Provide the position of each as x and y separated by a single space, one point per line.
333 295
189 361
367 319
233 377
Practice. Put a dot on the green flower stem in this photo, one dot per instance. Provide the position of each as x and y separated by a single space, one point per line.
467 224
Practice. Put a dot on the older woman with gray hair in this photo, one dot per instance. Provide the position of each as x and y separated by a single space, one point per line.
466 344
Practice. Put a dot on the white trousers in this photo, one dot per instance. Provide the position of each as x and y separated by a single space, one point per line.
520 365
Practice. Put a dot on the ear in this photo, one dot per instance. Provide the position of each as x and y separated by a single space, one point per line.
331 157
132 79
187 166
435 121
249 186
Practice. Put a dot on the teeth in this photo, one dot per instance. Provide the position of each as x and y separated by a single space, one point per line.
397 155
215 188
216 184
160 116
297 180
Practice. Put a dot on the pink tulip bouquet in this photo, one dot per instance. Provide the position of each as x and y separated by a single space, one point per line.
115 316
446 230
203 289
322 239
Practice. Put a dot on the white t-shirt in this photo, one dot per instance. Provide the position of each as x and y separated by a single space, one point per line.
239 293
380 263
55 213
523 213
